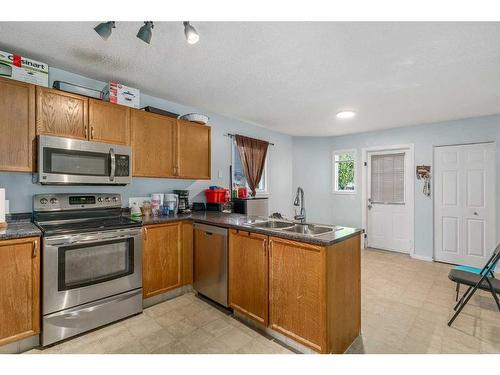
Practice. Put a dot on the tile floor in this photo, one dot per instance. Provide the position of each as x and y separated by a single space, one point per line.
405 306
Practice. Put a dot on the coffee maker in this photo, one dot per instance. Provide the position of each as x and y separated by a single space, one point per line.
183 195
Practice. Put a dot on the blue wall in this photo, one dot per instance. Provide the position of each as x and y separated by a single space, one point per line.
20 189
312 170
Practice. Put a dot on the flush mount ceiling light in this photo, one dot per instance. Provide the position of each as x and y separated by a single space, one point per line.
192 36
346 114
104 29
146 32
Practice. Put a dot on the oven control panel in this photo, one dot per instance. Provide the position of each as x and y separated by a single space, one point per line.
64 202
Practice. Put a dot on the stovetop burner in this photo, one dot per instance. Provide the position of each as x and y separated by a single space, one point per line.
89 225
57 214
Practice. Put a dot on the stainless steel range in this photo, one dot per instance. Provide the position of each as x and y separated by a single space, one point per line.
92 263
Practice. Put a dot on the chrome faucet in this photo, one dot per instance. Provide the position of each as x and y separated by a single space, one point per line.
299 200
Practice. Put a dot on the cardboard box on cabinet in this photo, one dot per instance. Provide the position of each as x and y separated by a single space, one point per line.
23 69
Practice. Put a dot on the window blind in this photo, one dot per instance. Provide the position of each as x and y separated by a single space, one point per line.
388 178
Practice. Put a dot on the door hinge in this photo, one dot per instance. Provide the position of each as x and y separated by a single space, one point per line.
365 164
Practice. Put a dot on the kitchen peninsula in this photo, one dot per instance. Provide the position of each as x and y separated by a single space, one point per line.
290 285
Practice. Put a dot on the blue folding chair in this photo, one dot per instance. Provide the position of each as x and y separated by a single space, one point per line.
484 280
474 270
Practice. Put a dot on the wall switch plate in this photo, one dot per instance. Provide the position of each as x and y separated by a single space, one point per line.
220 173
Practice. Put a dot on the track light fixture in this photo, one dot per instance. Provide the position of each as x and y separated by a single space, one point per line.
146 32
104 29
192 35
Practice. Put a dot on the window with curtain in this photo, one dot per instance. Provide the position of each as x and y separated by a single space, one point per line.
388 178
239 175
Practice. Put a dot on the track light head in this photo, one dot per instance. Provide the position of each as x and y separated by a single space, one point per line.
146 32
104 29
192 35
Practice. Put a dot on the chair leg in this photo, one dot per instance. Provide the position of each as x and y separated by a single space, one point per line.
492 291
463 297
458 291
469 296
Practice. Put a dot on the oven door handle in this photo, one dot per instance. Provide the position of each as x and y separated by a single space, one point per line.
113 164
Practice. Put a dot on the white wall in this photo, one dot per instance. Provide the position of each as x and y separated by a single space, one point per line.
20 189
312 170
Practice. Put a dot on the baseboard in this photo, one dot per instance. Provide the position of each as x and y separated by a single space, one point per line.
421 257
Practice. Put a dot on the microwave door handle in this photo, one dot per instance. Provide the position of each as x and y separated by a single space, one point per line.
113 164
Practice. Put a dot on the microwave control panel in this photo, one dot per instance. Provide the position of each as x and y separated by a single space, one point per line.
122 166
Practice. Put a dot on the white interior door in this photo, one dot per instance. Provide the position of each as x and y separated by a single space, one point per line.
390 200
464 203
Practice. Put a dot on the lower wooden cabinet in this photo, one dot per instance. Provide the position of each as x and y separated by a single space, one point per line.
315 292
162 258
248 274
19 289
297 291
187 252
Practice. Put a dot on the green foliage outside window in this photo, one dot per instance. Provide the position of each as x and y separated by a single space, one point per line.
345 171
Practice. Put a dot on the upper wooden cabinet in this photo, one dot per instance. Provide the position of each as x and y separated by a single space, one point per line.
19 289
108 122
248 275
152 139
162 258
61 114
193 151
17 125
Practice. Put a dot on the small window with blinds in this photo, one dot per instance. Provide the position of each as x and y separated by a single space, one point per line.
388 178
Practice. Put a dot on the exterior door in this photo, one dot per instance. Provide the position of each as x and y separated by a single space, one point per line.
464 203
390 201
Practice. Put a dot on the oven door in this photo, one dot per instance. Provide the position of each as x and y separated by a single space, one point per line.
70 161
82 268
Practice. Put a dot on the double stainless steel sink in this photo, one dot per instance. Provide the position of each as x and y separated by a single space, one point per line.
288 226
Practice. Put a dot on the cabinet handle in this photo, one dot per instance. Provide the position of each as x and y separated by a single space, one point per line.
270 248
264 248
91 132
35 249
145 234
86 131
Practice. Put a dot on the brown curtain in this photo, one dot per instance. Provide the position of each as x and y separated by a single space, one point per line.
253 158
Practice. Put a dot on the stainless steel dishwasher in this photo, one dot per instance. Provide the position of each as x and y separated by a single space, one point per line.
210 262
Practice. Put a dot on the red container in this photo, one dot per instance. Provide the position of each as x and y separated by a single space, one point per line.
215 195
242 192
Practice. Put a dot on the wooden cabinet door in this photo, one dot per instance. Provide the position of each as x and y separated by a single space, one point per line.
19 289
187 252
152 139
162 259
194 150
61 114
109 122
297 286
248 275
17 125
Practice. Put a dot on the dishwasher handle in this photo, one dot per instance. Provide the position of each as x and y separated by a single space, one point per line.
210 229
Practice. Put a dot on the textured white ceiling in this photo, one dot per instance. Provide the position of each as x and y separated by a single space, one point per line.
290 77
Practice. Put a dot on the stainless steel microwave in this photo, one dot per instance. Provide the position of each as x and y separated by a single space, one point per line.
66 161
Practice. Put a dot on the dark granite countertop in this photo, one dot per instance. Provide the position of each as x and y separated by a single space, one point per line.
239 221
19 229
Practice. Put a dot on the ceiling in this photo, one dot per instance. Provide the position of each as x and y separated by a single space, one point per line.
289 77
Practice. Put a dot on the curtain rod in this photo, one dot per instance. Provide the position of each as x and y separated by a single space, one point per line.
232 136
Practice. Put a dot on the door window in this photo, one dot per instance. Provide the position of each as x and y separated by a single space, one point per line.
388 178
